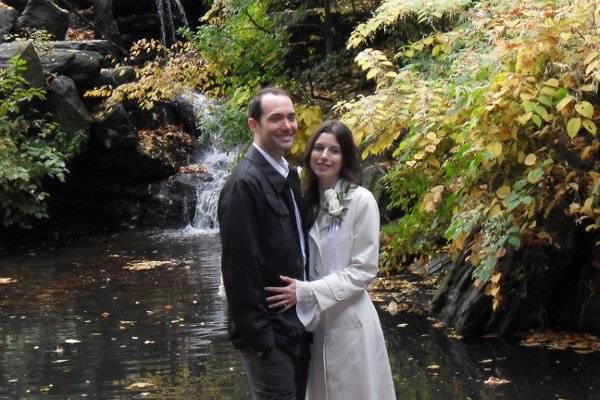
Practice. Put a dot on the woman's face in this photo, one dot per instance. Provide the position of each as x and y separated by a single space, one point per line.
326 159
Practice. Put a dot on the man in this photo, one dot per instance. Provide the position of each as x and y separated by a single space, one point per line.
262 239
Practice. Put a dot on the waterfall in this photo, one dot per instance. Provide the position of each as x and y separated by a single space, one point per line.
171 16
217 163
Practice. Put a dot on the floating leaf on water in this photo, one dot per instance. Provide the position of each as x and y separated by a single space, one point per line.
433 367
392 308
139 385
146 265
492 380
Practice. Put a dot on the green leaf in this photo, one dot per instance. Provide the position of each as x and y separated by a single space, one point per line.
536 120
514 241
519 185
545 100
542 112
547 90
573 127
535 175
528 106
561 93
527 200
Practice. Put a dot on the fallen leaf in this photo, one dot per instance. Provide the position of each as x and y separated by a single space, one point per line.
492 380
392 308
139 385
146 265
6 281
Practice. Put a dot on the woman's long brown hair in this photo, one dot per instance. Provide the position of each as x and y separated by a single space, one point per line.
350 170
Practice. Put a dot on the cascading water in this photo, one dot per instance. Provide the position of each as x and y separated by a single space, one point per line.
217 163
171 16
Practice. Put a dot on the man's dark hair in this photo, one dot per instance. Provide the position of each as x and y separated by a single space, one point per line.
255 106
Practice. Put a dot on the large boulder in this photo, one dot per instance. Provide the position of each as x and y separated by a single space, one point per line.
44 14
105 20
117 76
8 16
34 73
103 47
18 5
79 65
64 103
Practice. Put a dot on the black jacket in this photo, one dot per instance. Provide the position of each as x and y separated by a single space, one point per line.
259 243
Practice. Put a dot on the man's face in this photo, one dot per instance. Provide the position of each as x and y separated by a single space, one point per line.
275 130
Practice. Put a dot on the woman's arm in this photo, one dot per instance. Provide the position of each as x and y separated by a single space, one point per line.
316 296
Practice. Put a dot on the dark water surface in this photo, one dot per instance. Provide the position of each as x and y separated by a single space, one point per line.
78 324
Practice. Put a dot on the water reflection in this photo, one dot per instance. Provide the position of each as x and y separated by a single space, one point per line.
77 324
427 364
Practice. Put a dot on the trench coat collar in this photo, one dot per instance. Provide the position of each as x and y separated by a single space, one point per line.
314 231
276 180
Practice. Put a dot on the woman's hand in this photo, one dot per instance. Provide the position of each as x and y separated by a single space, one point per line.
282 297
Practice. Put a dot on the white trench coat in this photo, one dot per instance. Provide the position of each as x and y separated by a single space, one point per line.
349 359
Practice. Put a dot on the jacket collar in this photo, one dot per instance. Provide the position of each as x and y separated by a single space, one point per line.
275 178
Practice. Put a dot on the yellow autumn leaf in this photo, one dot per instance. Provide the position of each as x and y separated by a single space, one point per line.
552 82
589 126
495 148
530 159
587 204
573 127
564 102
495 211
503 191
419 156
585 108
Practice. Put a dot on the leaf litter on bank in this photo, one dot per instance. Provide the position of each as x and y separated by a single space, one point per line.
581 343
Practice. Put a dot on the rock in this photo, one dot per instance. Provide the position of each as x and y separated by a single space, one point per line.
80 65
113 129
103 47
531 277
8 16
18 5
44 14
34 73
117 76
105 20
65 105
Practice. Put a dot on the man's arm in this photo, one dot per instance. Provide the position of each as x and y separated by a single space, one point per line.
239 210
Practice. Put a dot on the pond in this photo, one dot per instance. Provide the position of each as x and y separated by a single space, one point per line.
138 315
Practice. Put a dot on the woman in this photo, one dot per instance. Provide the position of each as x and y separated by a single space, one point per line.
348 355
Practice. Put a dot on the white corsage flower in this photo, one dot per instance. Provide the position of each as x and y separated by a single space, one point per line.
334 206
